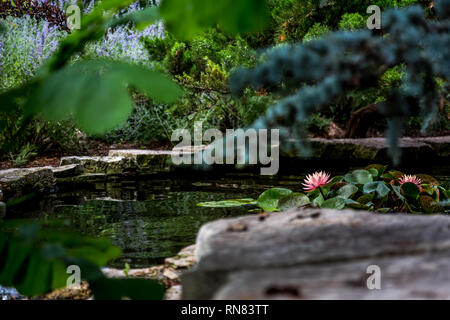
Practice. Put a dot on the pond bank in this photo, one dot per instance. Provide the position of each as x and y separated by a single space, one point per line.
18 182
321 254
130 197
167 273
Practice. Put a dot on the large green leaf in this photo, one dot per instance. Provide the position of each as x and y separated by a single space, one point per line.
38 278
398 192
243 16
358 177
380 188
429 205
227 203
186 18
40 268
140 19
355 205
268 200
347 191
318 200
15 254
96 93
334 203
293 200
410 191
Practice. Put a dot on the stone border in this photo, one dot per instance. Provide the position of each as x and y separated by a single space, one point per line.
321 253
18 182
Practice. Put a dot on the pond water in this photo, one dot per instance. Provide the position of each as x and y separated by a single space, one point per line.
153 218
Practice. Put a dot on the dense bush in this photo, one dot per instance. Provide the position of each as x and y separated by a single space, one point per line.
147 123
352 22
335 65
25 46
202 66
292 19
40 10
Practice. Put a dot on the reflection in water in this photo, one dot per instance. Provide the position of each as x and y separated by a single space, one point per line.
152 220
147 231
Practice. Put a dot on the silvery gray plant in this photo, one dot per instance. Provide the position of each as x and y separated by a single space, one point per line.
320 71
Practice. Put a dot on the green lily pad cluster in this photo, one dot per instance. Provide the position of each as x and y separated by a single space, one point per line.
374 188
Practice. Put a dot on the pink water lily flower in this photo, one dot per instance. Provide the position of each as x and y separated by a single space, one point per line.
316 180
410 179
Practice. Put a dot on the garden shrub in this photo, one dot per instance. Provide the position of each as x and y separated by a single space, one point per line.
329 68
40 10
316 31
147 123
293 19
202 66
352 22
24 47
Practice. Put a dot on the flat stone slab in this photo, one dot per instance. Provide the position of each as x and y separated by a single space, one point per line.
125 161
290 241
409 277
155 161
70 170
106 165
18 182
86 178
376 148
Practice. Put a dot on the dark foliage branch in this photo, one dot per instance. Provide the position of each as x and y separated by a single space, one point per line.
330 67
39 10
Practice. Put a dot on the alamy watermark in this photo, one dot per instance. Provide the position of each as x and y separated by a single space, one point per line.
374 280
74 280
239 146
73 14
374 21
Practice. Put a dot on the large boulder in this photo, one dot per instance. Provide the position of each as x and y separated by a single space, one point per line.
66 171
107 165
321 253
376 149
130 161
155 161
19 182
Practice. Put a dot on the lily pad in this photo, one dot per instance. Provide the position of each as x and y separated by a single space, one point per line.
347 191
336 186
398 192
359 177
380 188
429 205
268 200
318 201
373 172
227 203
378 167
387 177
410 190
428 179
396 174
334 203
355 205
365 199
294 200
337 179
